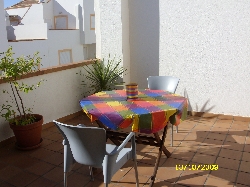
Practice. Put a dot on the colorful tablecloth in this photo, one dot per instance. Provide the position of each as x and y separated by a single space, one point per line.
147 114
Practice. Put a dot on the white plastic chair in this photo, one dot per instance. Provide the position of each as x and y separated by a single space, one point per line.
167 83
87 145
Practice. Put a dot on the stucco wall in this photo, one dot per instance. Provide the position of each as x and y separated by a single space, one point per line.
207 45
3 35
57 97
109 28
204 43
144 40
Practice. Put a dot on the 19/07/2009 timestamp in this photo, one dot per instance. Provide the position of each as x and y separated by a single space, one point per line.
197 167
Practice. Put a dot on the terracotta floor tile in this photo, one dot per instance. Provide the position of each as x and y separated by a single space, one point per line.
5 184
54 158
216 136
238 132
233 146
236 139
193 180
224 174
212 142
187 155
209 150
203 159
129 180
40 168
45 165
228 163
247 148
8 172
144 169
159 183
41 153
25 162
240 126
171 163
201 128
55 146
41 182
232 154
223 117
241 185
78 180
245 166
150 158
194 169
170 175
243 178
224 124
56 174
22 179
246 156
55 136
218 182
96 183
219 130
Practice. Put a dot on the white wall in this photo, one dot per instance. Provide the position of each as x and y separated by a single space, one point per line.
48 49
3 35
26 32
144 40
34 15
20 11
207 45
48 14
204 43
64 39
109 28
64 7
88 8
57 97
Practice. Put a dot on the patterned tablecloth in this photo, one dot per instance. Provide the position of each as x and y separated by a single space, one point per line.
147 114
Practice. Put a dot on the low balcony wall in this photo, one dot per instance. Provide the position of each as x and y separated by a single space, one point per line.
27 32
58 95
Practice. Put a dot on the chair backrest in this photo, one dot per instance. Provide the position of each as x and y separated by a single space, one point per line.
87 144
167 83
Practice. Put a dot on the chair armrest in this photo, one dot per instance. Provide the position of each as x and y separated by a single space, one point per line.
124 143
81 125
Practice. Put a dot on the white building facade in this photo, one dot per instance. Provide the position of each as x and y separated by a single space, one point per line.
60 30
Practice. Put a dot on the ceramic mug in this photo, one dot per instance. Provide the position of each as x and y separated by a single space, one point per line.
132 90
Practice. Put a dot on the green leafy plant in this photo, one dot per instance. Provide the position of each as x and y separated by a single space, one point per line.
12 70
103 76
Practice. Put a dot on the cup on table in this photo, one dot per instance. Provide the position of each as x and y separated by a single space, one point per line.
132 90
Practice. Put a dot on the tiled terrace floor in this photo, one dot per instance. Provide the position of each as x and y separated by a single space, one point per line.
211 140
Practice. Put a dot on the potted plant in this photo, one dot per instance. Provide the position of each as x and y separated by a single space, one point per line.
27 127
103 76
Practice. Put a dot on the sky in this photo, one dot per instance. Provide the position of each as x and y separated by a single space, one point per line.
8 3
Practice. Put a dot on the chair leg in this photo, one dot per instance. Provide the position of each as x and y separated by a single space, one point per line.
91 173
176 129
172 134
65 179
136 173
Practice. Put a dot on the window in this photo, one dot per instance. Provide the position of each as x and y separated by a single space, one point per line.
92 21
61 22
65 56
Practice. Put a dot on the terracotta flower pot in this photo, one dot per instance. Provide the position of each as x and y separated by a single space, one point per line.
29 136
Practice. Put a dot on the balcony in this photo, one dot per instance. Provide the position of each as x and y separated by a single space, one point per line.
210 139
